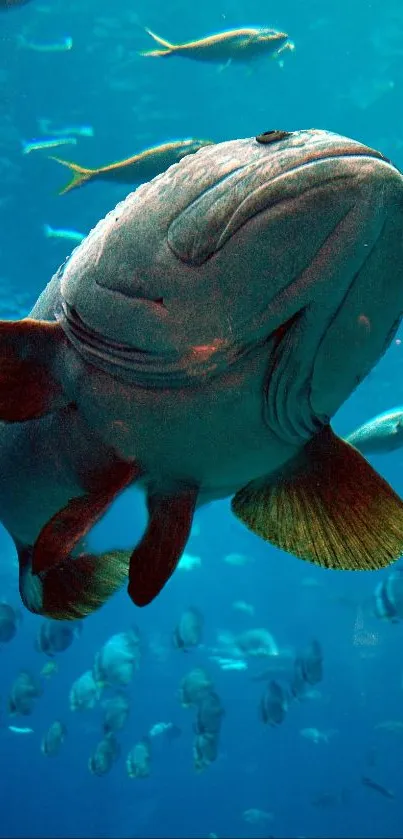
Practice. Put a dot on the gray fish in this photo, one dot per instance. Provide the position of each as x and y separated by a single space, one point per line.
9 621
308 669
369 782
116 711
24 691
53 739
105 754
205 750
387 599
380 435
209 715
197 343
194 687
56 636
138 761
273 704
188 632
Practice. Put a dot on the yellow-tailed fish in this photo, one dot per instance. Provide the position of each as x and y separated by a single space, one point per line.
133 170
241 45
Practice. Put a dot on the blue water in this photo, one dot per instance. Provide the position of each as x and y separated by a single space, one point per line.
346 76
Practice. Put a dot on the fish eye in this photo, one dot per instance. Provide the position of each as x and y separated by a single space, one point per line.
272 136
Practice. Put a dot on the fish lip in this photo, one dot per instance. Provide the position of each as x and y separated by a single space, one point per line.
77 329
340 151
140 366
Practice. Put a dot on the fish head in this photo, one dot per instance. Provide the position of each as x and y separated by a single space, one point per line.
192 146
271 38
292 241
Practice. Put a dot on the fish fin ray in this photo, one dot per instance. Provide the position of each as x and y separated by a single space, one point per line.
28 388
333 510
75 588
155 558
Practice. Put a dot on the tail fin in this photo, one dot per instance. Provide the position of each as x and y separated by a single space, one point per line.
75 588
48 230
80 175
169 48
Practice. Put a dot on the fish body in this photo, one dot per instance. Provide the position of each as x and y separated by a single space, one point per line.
53 739
64 45
138 762
274 704
186 347
49 669
387 600
43 145
317 736
45 127
369 782
239 45
56 637
24 691
188 631
10 619
133 170
15 729
104 755
63 233
380 435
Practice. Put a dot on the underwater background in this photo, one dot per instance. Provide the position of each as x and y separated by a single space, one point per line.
304 776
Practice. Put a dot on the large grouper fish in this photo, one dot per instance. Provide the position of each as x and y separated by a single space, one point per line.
198 342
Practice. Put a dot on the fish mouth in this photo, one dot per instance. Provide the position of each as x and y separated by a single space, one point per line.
144 367
339 151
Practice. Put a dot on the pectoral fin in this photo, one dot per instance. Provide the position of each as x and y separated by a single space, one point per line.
67 527
59 585
76 587
28 386
333 509
158 553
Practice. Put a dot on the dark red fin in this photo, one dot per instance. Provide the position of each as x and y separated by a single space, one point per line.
332 509
76 588
158 553
66 528
28 388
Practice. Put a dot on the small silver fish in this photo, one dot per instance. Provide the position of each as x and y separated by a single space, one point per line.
44 126
64 45
15 729
62 233
52 143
